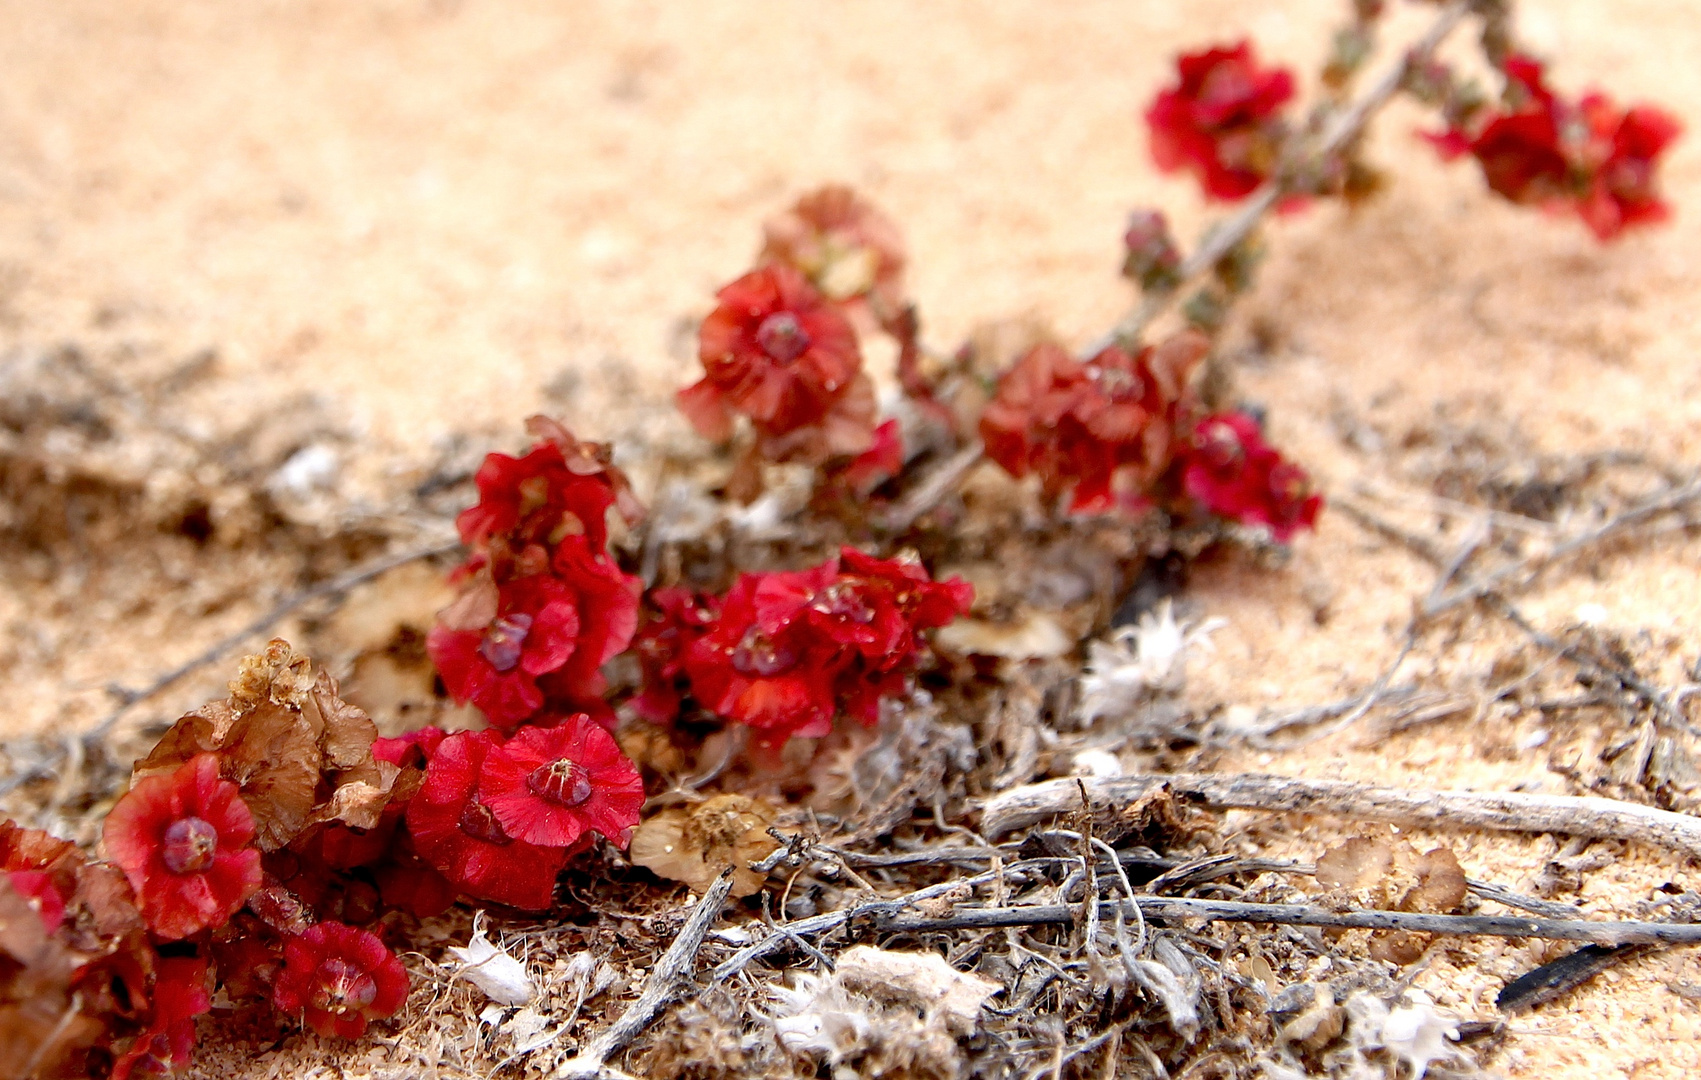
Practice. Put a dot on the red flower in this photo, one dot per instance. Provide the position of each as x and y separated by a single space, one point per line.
561 487
459 835
790 649
184 839
397 750
551 786
774 350
876 465
565 623
338 978
1589 157
180 995
848 249
1236 474
760 665
1220 120
1077 426
679 617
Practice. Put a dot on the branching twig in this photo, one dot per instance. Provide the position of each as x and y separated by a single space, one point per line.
1161 907
1500 811
1346 126
1664 502
673 969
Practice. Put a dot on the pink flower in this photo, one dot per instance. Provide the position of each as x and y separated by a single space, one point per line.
775 351
458 834
338 978
552 786
1221 120
849 250
185 841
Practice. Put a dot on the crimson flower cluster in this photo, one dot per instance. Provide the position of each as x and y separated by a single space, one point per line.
1222 120
1102 429
542 604
784 652
1230 470
782 348
1124 434
1587 157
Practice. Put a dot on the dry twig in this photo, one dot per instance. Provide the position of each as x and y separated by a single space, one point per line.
664 984
1165 907
1500 811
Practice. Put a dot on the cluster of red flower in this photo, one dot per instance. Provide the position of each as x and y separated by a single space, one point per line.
782 347
1222 120
1587 157
542 605
1124 433
785 652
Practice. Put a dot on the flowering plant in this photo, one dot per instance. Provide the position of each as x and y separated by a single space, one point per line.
272 846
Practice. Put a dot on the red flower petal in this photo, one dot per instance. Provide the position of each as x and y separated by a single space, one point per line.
549 786
337 978
184 841
460 837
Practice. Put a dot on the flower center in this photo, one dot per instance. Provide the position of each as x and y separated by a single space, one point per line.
564 781
842 602
479 823
190 845
341 987
758 654
782 337
1220 449
505 640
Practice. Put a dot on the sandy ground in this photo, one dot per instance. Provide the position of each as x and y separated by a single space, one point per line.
446 214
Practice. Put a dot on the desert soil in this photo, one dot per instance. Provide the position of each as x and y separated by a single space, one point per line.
440 216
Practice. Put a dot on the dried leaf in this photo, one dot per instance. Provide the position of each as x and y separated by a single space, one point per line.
695 843
1358 863
923 980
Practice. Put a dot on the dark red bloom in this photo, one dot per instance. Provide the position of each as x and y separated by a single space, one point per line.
180 995
338 978
396 750
551 786
678 617
1234 473
185 841
458 835
790 649
495 645
1078 425
561 487
1221 120
775 350
1588 157
760 665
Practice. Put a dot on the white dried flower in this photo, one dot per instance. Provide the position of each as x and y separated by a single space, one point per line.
1140 661
502 978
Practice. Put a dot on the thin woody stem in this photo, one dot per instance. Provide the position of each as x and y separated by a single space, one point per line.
1343 129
